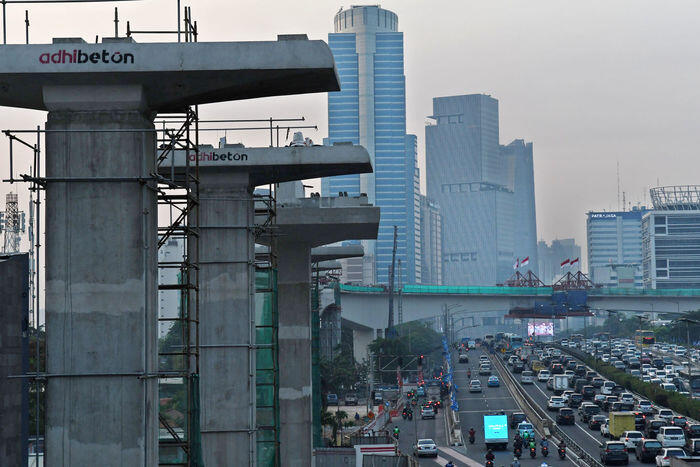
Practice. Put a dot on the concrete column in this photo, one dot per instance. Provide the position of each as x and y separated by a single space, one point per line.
226 319
294 335
101 278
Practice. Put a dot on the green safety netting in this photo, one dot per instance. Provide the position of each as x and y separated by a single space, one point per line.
266 375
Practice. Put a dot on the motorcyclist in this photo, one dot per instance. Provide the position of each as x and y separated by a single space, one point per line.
449 464
544 443
396 432
532 444
490 456
517 442
472 432
562 444
469 373
515 463
544 464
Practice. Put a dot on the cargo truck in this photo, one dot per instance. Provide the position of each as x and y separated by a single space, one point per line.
496 431
621 422
560 384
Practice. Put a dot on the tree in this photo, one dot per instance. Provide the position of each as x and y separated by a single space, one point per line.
335 420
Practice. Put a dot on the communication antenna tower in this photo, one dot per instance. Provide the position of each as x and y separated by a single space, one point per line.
12 223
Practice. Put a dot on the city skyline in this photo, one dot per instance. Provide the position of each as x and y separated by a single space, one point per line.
585 104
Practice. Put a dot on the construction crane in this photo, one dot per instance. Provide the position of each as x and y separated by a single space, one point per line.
390 327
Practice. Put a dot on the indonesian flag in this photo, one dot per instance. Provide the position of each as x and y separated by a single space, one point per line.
565 262
525 262
516 265
574 261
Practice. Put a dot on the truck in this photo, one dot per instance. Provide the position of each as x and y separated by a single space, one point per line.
496 431
560 384
621 422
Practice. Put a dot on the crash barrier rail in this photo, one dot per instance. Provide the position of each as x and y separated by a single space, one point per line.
541 419
649 391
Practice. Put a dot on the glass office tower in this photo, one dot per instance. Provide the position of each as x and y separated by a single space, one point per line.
370 109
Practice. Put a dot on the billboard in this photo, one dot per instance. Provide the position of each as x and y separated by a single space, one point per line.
543 328
495 427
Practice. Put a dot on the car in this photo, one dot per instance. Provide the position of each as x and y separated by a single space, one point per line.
596 421
645 406
493 382
332 399
597 382
587 410
526 427
640 420
631 438
609 401
588 392
575 400
679 421
516 418
420 391
550 384
652 425
669 387
351 398
607 387
463 358
484 369
425 448
518 367
527 377
566 395
565 416
475 385
613 452
599 400
627 397
665 414
543 376
663 459
671 436
647 450
555 403
427 411
692 430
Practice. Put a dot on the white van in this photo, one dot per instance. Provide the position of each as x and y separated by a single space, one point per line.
607 388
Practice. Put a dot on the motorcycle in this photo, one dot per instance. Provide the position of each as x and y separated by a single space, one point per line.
533 452
545 451
396 436
489 463
404 414
471 439
410 416
517 452
562 453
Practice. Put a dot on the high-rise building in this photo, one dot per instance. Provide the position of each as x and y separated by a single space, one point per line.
431 241
467 175
519 159
370 109
671 239
551 256
614 242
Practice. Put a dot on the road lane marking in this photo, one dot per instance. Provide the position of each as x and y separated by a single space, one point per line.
459 456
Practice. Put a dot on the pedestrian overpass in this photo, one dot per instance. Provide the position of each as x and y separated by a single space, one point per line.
365 309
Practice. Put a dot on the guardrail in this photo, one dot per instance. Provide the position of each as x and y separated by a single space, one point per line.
541 419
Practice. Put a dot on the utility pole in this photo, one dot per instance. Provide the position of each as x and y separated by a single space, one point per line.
400 310
390 327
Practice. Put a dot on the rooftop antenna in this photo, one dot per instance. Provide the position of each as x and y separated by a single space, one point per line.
618 185
624 202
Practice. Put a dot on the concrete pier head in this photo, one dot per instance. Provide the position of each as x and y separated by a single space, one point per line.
101 283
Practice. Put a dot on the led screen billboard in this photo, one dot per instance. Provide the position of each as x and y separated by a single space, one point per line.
495 427
544 328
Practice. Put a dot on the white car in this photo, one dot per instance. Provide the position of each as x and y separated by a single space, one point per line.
543 376
664 457
526 377
475 385
607 387
425 447
645 406
669 387
627 398
555 403
631 439
671 437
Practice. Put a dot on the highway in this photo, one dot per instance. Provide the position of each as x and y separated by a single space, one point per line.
588 439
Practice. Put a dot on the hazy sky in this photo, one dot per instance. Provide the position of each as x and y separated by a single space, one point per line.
590 83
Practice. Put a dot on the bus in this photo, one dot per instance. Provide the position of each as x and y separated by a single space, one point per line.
643 338
513 341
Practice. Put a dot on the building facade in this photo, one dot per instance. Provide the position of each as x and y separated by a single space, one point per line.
614 241
370 110
519 158
468 177
431 241
671 239
550 257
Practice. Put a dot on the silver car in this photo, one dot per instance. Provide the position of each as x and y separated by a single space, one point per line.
425 447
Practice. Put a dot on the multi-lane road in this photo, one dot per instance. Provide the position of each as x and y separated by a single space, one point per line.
472 408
